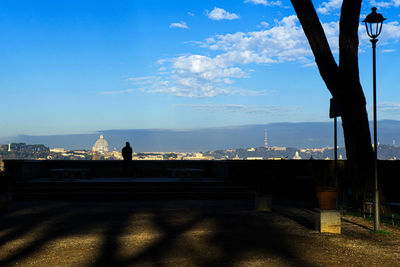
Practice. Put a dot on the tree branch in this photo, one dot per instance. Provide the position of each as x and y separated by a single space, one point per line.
319 44
348 46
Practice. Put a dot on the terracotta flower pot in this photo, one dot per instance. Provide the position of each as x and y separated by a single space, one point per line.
327 197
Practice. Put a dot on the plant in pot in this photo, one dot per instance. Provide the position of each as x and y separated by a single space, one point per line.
325 180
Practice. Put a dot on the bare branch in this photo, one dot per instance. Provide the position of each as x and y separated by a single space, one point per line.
319 44
348 43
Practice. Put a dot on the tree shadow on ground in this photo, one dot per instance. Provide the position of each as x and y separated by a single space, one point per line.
200 235
357 224
303 217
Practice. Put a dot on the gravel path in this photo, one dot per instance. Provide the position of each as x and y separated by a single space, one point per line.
184 233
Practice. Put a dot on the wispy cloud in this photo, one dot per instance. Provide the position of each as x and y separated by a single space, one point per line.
385 4
118 92
388 50
191 14
263 24
264 2
388 107
312 64
221 14
181 25
329 6
143 80
238 108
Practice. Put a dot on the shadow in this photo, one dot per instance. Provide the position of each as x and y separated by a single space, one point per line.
302 221
17 225
299 215
259 235
234 235
170 236
112 231
55 224
360 225
200 233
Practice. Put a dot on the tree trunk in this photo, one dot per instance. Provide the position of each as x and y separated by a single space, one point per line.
343 82
358 143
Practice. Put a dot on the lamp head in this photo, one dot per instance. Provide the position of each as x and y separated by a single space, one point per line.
373 23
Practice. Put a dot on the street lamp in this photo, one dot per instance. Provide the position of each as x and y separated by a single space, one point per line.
373 24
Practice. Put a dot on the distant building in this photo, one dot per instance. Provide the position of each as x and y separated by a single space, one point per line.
297 156
101 145
254 158
57 150
195 156
236 157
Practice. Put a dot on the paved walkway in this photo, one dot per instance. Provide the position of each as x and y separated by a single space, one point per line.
184 233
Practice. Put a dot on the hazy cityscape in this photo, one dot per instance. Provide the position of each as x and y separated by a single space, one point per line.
102 151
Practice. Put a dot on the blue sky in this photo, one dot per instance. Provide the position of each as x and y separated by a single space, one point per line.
80 66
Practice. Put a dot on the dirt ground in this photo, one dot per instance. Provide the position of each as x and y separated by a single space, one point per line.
185 233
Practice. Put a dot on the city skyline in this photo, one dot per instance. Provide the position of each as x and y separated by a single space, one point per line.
305 135
71 67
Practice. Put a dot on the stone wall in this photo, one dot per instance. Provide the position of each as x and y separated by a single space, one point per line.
289 178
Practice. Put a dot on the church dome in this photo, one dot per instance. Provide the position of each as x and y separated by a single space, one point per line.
101 145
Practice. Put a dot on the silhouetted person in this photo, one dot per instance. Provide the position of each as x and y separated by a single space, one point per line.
127 155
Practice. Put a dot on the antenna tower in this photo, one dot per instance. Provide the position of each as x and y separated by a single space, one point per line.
266 139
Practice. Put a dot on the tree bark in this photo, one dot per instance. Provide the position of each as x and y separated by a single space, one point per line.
343 81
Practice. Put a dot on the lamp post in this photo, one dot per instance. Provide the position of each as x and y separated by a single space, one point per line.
373 24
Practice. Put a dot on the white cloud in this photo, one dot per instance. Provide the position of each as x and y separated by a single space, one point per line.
263 24
264 2
197 76
329 6
143 80
190 14
388 107
181 25
283 42
390 31
312 64
221 14
331 30
118 92
231 56
388 50
385 4
237 108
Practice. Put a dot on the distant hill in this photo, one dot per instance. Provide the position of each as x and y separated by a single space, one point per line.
306 134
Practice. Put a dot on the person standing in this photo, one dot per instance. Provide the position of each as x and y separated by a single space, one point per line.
127 155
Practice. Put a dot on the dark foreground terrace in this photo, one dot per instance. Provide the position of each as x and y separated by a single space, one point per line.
184 233
156 217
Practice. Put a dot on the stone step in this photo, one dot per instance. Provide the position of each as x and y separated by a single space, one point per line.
131 195
137 189
127 187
